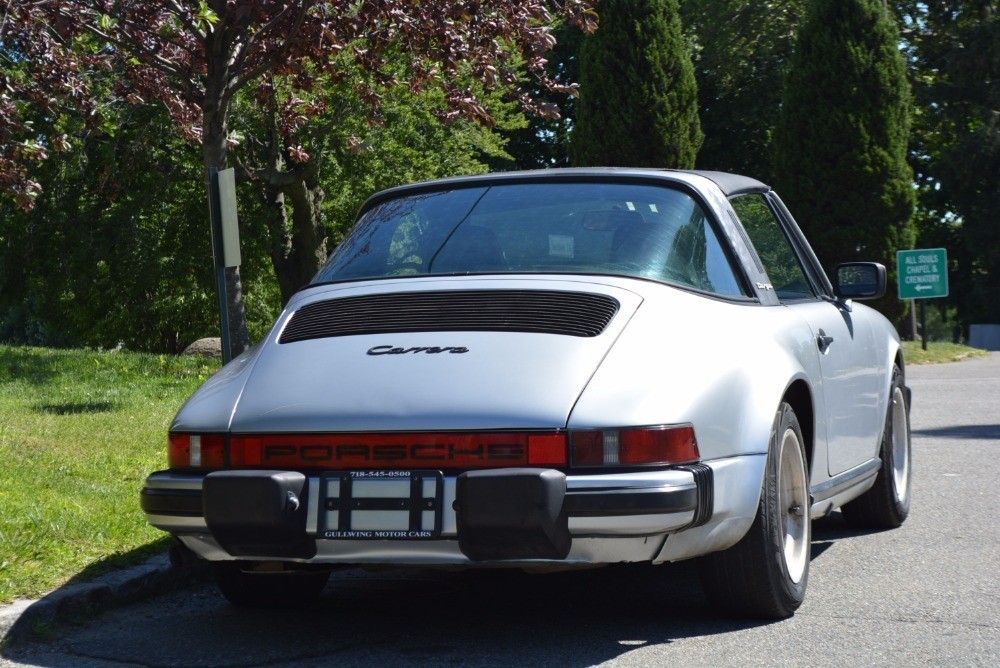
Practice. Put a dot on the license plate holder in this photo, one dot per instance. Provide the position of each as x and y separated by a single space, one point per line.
381 505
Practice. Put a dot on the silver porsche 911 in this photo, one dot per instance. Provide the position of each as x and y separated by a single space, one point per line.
551 369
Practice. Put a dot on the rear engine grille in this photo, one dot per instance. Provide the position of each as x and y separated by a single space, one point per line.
538 311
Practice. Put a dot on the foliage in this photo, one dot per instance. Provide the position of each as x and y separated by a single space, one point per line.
116 250
358 159
295 198
639 101
955 48
741 55
412 145
841 140
541 142
81 430
196 57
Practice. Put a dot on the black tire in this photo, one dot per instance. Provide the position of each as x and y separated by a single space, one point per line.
887 504
765 574
246 588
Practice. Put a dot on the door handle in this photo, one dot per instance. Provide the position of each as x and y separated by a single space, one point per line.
823 341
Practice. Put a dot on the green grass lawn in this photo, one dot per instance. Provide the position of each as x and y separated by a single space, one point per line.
938 352
79 432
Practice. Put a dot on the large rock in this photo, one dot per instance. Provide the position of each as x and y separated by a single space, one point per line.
210 347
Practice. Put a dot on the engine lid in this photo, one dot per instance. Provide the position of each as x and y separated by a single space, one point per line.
507 353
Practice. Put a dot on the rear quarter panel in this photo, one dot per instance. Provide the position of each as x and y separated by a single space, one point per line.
720 365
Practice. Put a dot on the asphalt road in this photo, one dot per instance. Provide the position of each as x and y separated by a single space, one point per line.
923 595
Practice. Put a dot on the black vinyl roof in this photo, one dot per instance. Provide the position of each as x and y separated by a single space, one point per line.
730 184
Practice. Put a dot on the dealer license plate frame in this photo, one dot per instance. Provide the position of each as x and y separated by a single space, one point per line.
381 505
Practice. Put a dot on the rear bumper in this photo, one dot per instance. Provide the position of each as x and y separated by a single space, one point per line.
637 510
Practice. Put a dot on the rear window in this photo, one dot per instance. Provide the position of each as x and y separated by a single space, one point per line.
621 229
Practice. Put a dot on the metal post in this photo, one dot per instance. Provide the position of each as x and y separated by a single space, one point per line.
923 323
215 210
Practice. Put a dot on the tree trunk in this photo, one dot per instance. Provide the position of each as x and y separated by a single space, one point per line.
215 133
308 248
298 246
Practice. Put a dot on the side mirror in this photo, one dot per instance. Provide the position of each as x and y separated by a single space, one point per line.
859 280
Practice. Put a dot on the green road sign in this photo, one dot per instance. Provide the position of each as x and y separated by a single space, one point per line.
923 273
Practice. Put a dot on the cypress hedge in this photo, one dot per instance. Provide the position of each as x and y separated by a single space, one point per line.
841 139
638 104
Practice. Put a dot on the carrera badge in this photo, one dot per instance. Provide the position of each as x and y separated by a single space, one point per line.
430 350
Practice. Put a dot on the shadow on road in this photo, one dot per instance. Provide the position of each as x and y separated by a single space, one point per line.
987 432
829 530
406 617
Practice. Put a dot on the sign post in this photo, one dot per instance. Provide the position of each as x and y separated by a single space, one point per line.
922 274
225 242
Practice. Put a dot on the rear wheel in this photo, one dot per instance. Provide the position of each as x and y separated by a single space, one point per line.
245 584
887 503
765 574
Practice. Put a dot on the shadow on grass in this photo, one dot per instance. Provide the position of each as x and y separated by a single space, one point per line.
121 560
77 407
28 365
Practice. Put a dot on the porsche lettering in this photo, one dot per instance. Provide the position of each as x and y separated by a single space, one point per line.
429 452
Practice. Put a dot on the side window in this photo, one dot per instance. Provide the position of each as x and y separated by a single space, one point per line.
673 244
719 273
773 247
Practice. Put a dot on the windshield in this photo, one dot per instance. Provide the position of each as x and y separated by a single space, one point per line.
622 229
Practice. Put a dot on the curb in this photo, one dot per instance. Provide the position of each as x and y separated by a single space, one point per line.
22 620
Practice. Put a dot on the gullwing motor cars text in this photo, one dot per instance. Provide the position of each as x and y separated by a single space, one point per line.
551 369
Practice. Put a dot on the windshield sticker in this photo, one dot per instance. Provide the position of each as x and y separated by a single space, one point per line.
560 245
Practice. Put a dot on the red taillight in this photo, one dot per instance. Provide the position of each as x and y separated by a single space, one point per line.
196 450
547 449
398 451
634 447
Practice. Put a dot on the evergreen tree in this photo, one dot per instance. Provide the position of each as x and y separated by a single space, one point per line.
841 140
741 56
638 102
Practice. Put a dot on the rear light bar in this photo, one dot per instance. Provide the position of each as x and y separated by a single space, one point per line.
598 448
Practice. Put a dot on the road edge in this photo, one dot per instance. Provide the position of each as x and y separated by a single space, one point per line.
28 620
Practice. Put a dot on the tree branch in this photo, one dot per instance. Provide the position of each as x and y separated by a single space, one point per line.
140 30
192 27
255 72
273 22
156 61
